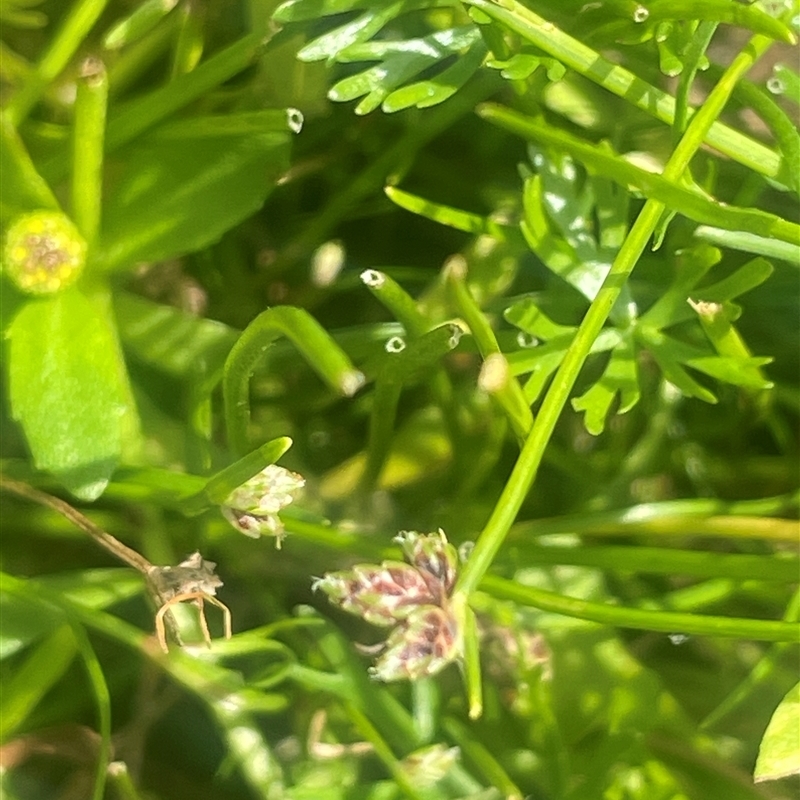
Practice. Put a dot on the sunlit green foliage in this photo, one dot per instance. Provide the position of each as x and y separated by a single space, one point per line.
517 279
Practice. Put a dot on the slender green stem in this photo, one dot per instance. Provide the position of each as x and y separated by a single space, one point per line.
311 339
524 472
697 48
621 82
139 22
382 750
77 24
103 698
750 243
105 540
138 115
665 621
758 674
696 517
508 393
397 300
120 779
664 560
88 135
189 45
134 60
399 369
475 752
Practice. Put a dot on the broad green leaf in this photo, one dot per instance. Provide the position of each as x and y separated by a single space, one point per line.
24 622
779 754
179 188
69 390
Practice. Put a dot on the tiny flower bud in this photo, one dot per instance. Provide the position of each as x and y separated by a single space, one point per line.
430 764
425 643
434 556
253 507
43 252
381 594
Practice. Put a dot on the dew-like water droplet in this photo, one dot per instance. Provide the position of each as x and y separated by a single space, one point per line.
373 278
455 336
526 340
776 85
327 263
678 638
465 550
352 381
494 374
294 118
640 14
396 344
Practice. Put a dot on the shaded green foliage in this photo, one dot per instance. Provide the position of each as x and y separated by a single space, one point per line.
577 353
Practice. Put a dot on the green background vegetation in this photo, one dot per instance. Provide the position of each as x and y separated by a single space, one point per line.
625 461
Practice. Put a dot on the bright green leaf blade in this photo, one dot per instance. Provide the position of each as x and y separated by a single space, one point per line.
219 486
740 372
178 192
431 92
527 316
745 16
69 390
779 754
452 217
329 45
300 10
34 678
750 243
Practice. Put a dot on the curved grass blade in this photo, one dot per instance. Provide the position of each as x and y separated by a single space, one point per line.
315 345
